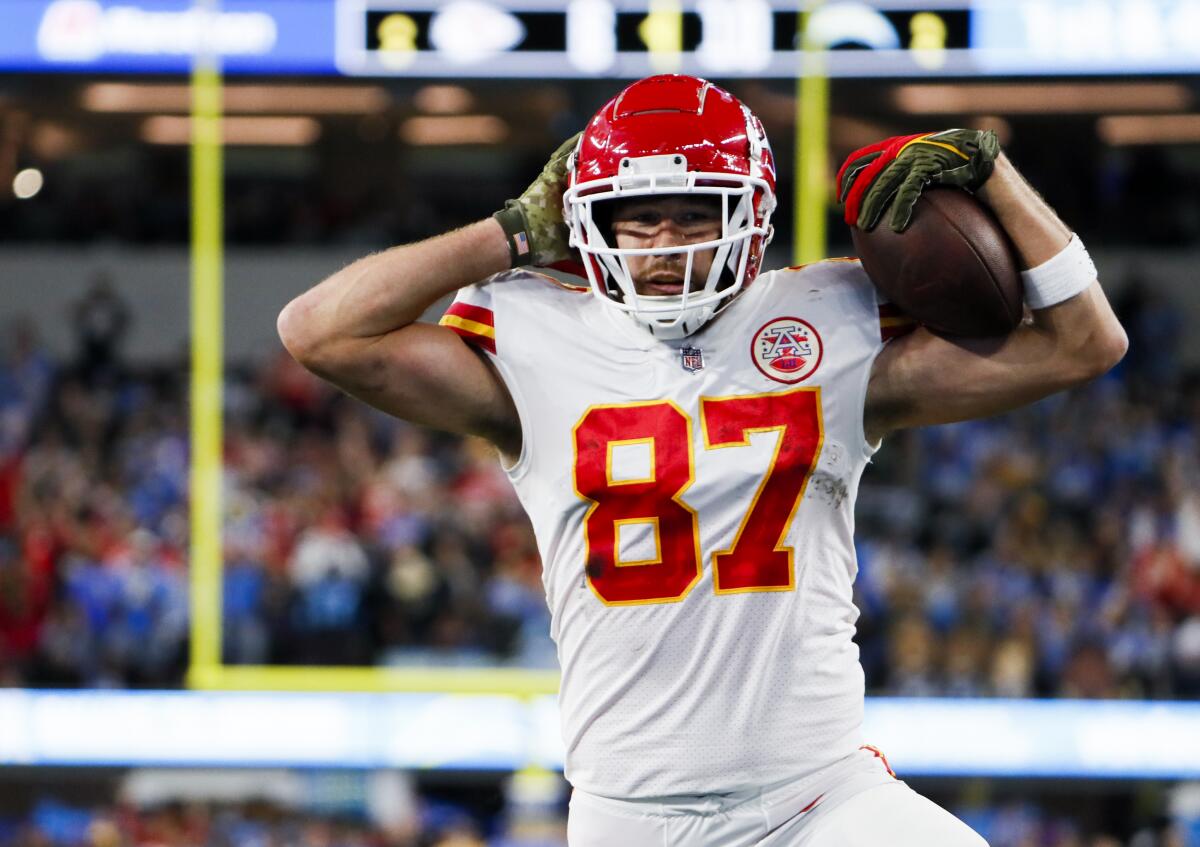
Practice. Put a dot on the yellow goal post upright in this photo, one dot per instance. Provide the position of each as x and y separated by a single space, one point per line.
811 144
207 355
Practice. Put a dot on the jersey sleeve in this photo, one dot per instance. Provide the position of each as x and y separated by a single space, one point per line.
473 317
488 317
893 323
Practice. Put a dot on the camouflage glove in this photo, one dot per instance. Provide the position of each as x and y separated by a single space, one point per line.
899 168
537 233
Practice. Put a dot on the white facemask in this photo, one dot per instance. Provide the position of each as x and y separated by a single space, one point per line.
679 315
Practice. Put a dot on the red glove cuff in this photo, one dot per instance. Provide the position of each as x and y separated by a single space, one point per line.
888 150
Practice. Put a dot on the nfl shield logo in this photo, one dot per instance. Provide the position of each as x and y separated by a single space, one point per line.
692 358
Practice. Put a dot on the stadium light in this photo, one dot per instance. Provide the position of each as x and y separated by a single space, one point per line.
1129 130
996 124
444 99
458 129
244 131
27 183
1038 98
247 99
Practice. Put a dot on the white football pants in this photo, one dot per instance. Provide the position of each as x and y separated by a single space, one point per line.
856 802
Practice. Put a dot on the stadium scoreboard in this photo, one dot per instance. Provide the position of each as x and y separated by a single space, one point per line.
600 37
605 38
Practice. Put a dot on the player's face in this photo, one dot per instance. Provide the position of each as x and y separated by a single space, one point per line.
674 221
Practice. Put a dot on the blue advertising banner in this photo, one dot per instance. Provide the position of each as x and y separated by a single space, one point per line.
159 36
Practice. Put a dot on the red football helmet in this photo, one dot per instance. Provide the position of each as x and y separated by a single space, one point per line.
673 134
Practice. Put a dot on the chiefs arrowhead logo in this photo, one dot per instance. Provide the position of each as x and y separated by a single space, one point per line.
787 350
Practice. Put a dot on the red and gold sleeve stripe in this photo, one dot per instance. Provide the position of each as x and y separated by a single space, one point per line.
474 323
893 322
879 755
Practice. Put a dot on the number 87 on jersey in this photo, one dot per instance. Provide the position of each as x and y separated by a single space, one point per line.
757 558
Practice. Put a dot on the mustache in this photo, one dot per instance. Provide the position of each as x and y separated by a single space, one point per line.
672 266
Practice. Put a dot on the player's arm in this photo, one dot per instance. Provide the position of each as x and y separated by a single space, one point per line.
358 329
923 379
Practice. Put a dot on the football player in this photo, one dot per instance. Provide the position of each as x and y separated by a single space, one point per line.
687 435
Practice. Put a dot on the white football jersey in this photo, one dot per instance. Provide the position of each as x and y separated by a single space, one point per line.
693 502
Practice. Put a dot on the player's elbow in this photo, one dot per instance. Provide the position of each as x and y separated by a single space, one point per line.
1116 347
288 327
349 363
1103 350
297 333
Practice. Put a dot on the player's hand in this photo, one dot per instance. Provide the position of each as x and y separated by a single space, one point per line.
537 233
897 170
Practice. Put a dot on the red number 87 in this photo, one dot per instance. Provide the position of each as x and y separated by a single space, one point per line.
757 560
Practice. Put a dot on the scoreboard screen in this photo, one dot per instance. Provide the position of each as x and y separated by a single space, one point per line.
546 32
608 38
632 38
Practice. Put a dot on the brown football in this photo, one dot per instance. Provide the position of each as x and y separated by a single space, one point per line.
953 270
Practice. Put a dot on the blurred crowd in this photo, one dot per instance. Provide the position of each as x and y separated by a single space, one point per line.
350 538
439 823
52 823
1054 552
342 808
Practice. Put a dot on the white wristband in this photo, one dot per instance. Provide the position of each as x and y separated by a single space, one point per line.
1060 278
